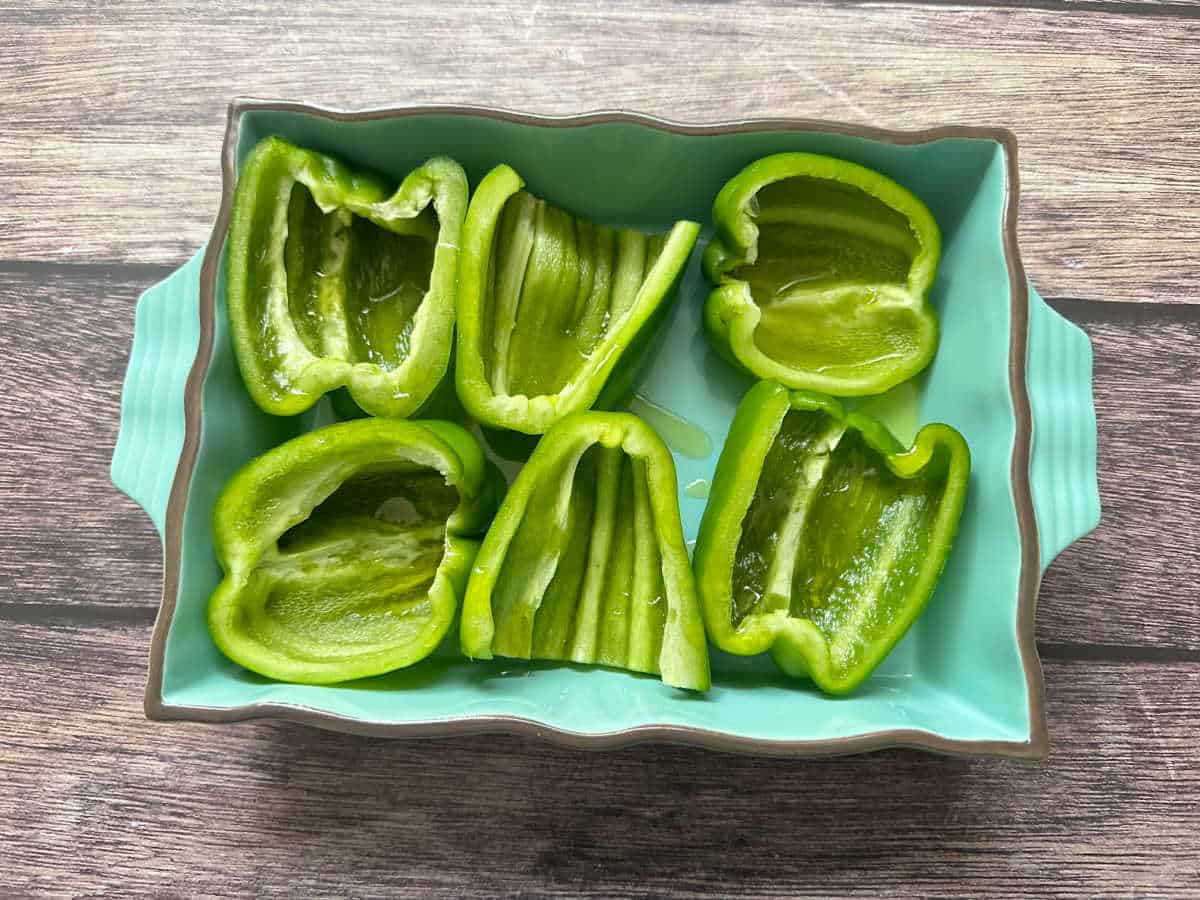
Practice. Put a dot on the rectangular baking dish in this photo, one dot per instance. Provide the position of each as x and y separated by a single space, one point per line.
1010 374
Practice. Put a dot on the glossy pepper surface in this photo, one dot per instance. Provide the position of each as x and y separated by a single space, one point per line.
346 550
822 269
824 538
554 311
334 279
586 561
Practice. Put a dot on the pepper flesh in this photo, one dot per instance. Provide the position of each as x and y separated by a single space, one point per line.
586 562
346 550
822 269
333 280
554 311
823 538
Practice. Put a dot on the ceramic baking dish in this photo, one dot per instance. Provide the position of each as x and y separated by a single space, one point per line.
1010 373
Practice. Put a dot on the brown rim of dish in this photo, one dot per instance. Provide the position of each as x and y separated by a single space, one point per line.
1034 748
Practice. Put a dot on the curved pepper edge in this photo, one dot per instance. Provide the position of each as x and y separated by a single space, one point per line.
456 454
440 181
684 644
730 314
536 414
797 646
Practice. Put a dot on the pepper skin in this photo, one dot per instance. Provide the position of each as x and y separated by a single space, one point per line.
333 280
346 550
586 562
823 538
553 311
822 269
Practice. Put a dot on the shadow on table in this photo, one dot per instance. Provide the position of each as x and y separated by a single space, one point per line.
509 812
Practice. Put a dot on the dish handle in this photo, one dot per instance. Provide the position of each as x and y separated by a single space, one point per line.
166 336
1062 467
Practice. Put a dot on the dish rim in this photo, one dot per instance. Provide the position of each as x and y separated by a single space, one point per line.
1029 579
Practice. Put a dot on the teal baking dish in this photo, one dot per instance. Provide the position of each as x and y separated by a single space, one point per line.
1012 375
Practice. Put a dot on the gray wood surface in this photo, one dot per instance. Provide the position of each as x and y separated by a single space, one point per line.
1107 105
112 121
275 809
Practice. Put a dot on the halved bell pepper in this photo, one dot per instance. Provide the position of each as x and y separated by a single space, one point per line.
553 310
585 561
822 270
824 538
346 550
333 278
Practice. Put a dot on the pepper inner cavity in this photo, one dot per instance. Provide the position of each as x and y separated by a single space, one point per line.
582 578
357 571
557 285
826 251
832 534
354 287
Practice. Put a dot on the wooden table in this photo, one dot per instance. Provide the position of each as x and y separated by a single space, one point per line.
112 122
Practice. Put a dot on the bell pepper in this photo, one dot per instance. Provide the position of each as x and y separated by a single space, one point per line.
822 269
824 538
586 562
333 279
553 311
346 550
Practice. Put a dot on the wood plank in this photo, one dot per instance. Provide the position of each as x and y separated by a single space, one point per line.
1185 9
95 796
74 541
108 155
1106 106
1133 580
69 537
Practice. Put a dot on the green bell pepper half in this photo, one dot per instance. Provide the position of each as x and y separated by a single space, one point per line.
824 538
346 550
333 279
822 269
553 311
586 561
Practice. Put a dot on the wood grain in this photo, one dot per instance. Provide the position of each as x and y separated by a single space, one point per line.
67 538
1133 581
280 810
113 116
1106 107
